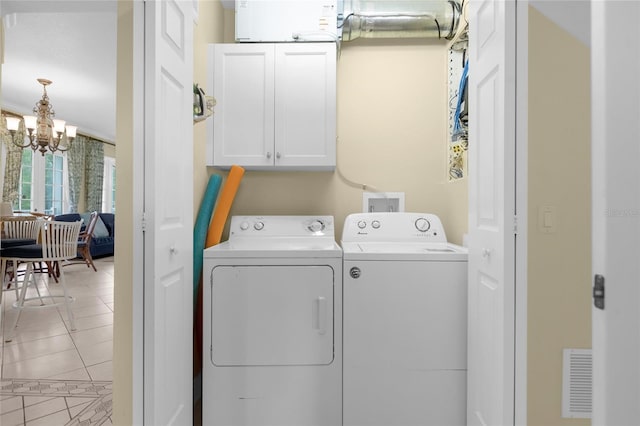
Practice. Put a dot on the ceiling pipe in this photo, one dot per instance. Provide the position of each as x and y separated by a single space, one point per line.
400 19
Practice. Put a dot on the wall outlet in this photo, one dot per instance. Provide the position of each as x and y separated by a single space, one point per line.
382 202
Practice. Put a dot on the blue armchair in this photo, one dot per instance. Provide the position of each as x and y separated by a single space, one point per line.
102 243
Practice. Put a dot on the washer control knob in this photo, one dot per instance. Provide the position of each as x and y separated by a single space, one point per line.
362 224
422 224
375 224
258 226
244 226
316 226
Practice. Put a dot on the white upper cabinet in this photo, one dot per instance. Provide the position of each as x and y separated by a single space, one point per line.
276 106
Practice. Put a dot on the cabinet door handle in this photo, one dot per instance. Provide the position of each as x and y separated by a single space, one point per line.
268 154
278 155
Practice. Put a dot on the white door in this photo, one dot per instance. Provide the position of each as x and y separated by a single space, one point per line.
615 67
168 198
491 212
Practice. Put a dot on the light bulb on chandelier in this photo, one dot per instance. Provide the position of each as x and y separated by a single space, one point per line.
44 132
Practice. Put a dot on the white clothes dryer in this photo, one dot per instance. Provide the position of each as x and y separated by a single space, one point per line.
405 322
272 326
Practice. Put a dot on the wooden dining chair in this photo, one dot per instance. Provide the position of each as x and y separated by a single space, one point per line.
84 241
21 228
58 242
84 246
18 232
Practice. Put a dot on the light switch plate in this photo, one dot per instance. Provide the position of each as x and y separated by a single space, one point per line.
547 219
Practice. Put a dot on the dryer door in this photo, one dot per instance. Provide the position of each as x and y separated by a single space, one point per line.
272 315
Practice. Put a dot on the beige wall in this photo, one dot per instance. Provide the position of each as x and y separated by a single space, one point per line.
209 29
392 133
559 264
123 289
109 150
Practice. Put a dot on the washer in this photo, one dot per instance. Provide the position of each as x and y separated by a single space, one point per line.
405 322
272 326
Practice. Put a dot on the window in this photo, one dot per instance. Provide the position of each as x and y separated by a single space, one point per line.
53 184
25 193
109 185
41 187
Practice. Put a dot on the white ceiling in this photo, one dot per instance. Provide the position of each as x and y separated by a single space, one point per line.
574 16
73 44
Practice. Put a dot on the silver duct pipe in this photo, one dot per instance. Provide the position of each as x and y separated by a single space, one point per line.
400 19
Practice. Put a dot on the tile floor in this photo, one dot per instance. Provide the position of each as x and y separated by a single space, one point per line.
49 374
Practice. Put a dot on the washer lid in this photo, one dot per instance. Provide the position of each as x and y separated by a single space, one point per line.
403 251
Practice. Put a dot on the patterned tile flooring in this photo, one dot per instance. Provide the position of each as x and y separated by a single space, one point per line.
51 375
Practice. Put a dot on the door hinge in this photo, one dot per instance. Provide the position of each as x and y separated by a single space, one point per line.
598 291
515 224
143 222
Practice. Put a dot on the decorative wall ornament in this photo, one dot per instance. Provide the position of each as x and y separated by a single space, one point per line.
202 104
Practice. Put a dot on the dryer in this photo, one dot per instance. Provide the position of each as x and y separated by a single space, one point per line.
272 326
405 322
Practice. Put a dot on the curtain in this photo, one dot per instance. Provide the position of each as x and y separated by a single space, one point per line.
94 173
13 164
75 161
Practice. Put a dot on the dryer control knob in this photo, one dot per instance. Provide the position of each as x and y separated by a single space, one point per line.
375 224
362 224
258 226
244 226
316 226
422 224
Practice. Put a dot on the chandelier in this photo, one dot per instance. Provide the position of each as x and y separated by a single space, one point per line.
45 132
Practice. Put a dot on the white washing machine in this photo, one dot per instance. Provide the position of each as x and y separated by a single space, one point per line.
272 326
405 322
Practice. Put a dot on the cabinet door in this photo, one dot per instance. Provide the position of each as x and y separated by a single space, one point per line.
243 85
305 105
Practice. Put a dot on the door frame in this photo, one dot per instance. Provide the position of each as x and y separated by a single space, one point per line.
138 152
520 338
521 188
615 212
